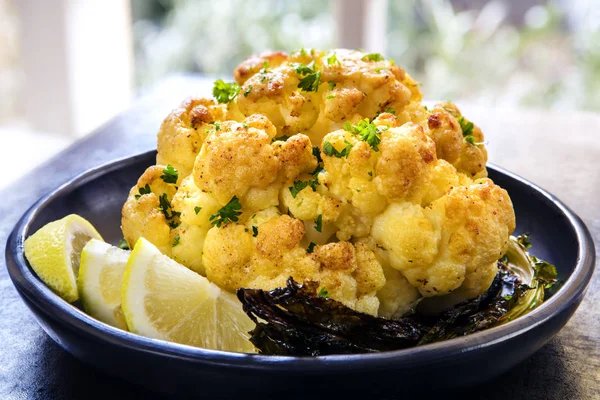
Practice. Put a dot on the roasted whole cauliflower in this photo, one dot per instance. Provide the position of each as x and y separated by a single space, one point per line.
325 166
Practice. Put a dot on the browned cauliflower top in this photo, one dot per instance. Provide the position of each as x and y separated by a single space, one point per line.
325 166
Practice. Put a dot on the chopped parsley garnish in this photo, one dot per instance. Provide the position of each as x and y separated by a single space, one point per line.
165 207
311 78
317 153
367 131
332 59
170 174
300 185
143 191
225 92
247 91
254 231
323 293
228 213
281 138
176 241
265 68
311 247
174 224
470 139
373 57
217 126
370 173
329 150
331 84
524 240
319 223
466 126
389 110
330 96
197 209
123 244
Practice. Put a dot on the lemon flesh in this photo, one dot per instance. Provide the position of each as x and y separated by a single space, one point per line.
54 252
100 280
162 299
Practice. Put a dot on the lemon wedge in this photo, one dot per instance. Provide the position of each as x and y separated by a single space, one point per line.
54 252
100 279
162 299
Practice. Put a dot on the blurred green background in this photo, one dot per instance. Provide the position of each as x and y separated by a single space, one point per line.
530 53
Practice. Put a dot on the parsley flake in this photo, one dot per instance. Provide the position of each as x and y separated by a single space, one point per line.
228 213
470 139
123 244
301 185
319 223
176 241
367 131
254 231
330 96
329 150
311 247
311 78
217 126
331 84
247 91
142 191
225 92
323 293
197 209
332 59
466 126
170 174
373 57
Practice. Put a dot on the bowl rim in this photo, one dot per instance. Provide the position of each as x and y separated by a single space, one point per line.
33 290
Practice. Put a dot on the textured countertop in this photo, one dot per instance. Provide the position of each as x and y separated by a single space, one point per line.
559 152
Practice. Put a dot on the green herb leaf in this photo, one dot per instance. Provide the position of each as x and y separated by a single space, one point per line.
317 153
332 59
329 150
389 110
217 126
367 131
247 91
300 185
176 241
310 83
319 223
331 84
142 191
330 96
373 57
323 293
225 92
311 247
197 209
170 174
466 126
470 139
123 244
254 231
228 213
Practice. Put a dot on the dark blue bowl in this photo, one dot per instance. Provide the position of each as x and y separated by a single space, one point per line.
559 237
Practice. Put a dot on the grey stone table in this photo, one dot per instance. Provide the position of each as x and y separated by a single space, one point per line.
561 153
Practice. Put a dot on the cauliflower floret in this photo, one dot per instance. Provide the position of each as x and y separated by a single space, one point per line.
268 250
183 131
448 128
187 239
352 87
463 233
145 212
382 212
